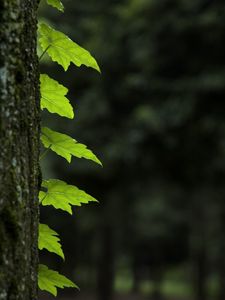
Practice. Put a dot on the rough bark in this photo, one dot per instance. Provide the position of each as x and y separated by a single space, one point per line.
19 150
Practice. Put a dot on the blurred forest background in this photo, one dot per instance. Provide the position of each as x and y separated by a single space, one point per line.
156 119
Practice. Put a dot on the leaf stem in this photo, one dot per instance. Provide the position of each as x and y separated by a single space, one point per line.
43 53
43 198
44 153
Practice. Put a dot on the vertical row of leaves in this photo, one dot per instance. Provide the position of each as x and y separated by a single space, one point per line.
57 193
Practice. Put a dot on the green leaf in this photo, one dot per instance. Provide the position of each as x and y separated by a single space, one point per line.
49 280
63 50
57 4
66 146
62 195
53 97
49 240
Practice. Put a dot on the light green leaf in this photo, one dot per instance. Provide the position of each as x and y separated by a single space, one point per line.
57 4
53 97
62 195
66 146
63 50
49 240
49 280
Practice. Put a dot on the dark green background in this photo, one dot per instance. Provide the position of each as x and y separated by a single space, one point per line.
156 119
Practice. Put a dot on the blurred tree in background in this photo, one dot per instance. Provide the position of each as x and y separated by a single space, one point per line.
157 117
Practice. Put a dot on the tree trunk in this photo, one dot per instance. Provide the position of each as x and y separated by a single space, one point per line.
19 150
220 255
136 275
199 258
201 274
106 265
221 267
157 276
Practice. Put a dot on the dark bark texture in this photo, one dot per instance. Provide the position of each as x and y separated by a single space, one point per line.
19 150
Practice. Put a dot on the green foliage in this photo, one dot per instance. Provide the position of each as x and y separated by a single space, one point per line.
48 280
66 146
56 3
62 195
53 97
48 239
63 50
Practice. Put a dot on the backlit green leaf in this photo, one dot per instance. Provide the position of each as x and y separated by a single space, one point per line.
49 280
53 97
63 50
62 195
66 146
57 4
49 240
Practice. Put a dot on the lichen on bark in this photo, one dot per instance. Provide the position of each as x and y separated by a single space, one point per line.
19 149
